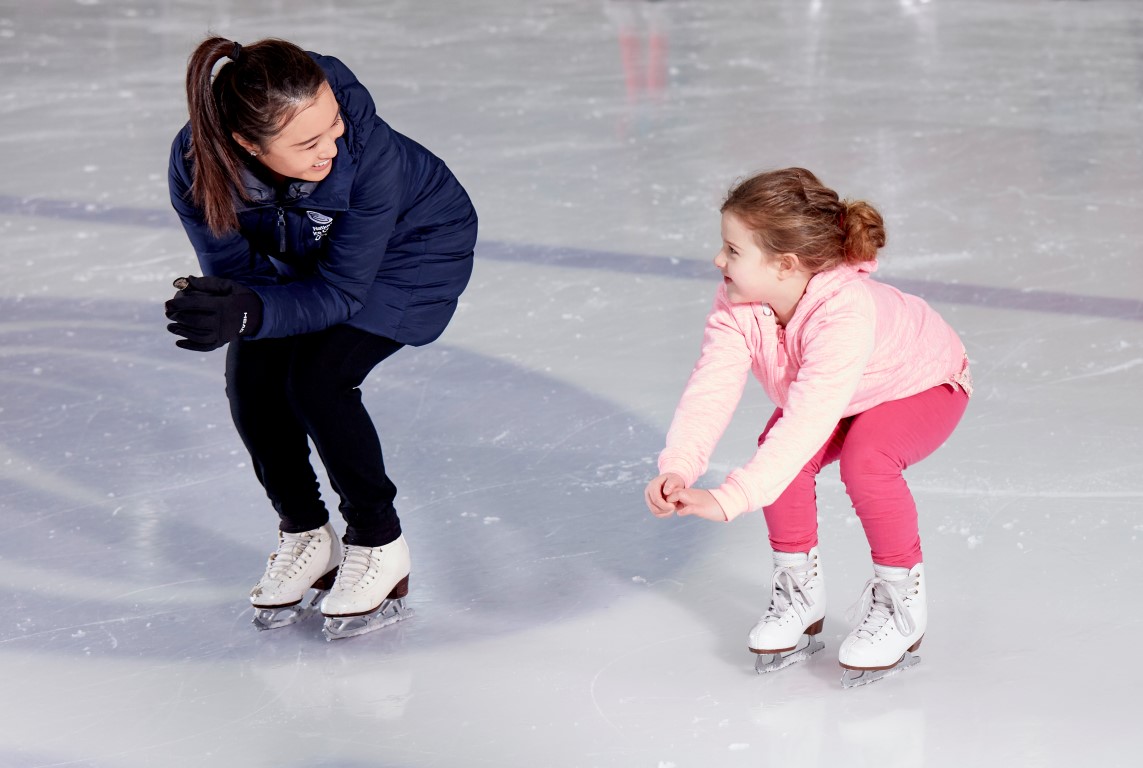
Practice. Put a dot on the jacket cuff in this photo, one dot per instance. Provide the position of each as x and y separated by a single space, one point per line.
731 498
266 320
678 465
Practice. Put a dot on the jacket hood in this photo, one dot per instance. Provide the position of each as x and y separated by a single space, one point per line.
357 107
825 285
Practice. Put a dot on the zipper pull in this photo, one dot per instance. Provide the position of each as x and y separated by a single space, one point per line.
281 229
781 347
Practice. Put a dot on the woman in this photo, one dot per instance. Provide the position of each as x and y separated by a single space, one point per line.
327 242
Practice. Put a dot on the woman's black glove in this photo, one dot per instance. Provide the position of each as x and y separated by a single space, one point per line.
209 312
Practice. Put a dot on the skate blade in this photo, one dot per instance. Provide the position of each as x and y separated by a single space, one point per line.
772 662
390 612
851 678
285 615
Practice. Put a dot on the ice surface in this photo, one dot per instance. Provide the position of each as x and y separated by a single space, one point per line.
557 623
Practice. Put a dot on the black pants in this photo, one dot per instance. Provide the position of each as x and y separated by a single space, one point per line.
286 392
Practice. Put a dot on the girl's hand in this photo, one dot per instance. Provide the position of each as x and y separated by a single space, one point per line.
690 501
657 492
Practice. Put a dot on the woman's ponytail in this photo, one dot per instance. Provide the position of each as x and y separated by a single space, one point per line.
215 165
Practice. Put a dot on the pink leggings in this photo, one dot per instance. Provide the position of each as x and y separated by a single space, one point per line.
873 448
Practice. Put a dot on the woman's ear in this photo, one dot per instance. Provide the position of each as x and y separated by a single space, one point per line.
246 145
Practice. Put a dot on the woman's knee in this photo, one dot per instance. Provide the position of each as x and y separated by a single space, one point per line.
309 386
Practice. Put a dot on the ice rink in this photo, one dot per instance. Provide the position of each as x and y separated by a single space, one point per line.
557 622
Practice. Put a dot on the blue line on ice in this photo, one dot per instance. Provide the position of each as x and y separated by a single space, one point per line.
608 261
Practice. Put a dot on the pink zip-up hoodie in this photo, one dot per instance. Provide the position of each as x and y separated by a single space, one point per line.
852 343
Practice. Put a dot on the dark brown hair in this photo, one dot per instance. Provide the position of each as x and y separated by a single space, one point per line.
254 95
790 211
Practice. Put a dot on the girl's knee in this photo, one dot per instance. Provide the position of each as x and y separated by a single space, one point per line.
869 467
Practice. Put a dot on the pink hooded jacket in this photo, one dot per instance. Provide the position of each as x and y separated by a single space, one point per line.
852 343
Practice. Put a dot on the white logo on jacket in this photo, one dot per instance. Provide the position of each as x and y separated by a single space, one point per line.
322 222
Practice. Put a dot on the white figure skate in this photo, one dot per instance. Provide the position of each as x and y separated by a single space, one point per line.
895 617
787 632
369 592
303 562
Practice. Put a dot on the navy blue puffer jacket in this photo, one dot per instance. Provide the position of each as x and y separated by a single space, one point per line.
383 243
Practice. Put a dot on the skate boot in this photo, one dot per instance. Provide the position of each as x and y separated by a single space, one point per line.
369 592
303 561
894 622
787 632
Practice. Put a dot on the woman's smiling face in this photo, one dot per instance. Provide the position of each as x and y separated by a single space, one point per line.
306 146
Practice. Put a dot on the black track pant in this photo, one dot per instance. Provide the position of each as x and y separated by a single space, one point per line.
286 392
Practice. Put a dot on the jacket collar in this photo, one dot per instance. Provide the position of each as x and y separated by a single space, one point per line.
825 285
331 193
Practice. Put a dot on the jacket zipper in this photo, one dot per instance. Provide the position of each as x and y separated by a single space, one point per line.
281 229
781 347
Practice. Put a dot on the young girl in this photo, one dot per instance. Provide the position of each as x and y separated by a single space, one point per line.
861 374
328 241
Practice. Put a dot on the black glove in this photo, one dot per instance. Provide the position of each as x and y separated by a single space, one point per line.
209 312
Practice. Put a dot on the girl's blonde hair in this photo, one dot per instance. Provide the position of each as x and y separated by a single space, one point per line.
790 211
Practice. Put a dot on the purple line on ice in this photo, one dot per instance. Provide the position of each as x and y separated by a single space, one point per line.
930 290
609 261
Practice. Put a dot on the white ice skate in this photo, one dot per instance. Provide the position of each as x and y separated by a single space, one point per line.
787 632
895 617
303 562
369 592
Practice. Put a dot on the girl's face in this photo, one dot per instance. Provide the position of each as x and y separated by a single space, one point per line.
304 149
751 275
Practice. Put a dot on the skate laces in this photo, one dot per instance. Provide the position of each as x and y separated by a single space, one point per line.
787 582
356 565
879 603
290 549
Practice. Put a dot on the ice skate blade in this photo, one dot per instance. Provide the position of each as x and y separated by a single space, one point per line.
285 615
390 612
772 662
851 678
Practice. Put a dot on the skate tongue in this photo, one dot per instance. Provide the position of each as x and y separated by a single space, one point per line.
789 559
890 572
